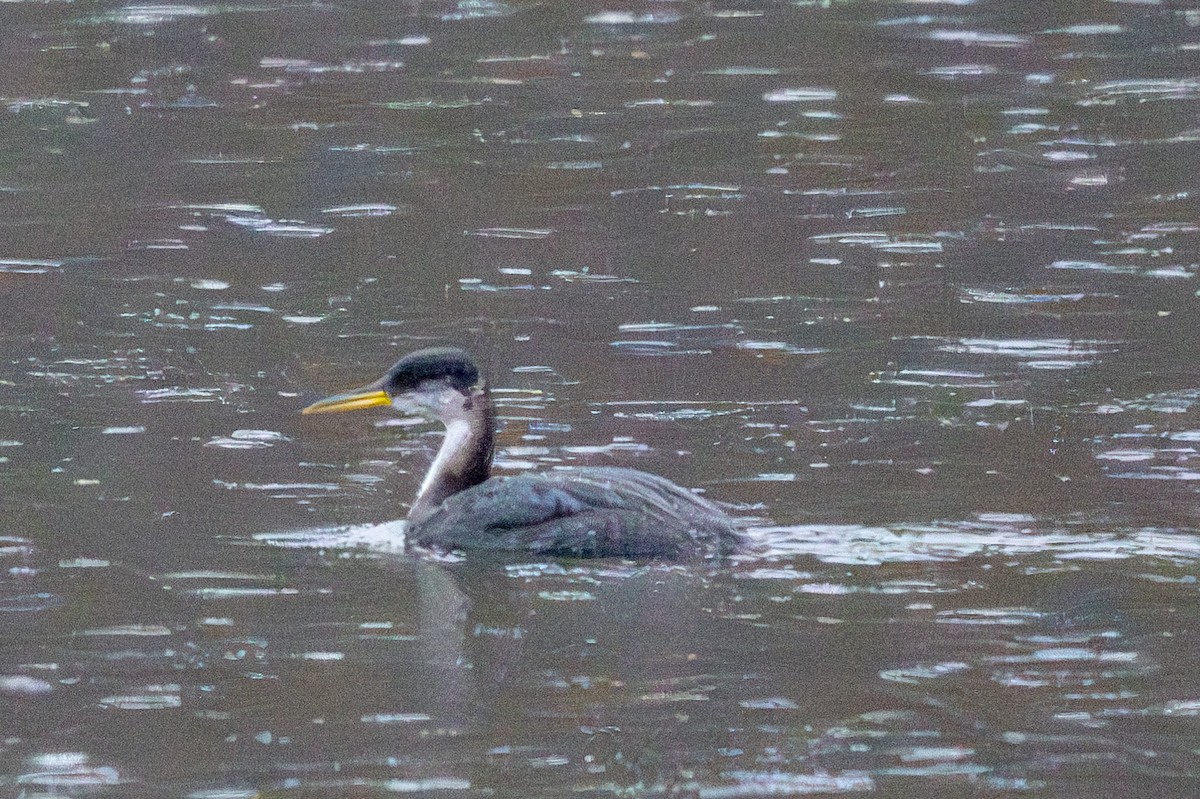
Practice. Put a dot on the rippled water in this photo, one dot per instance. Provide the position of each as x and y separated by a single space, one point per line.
910 287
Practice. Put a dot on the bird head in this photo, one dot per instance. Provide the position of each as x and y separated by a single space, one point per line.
436 383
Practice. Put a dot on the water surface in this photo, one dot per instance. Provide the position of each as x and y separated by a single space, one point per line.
909 287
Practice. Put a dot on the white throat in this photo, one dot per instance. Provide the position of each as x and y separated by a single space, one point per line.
464 458
458 432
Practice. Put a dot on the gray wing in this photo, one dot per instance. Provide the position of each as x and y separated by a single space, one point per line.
596 512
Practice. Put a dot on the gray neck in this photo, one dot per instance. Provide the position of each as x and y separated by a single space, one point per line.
465 457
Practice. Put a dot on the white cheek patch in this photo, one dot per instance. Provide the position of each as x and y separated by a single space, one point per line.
433 400
405 404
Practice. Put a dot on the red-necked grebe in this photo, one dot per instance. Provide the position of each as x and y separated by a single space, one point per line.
575 512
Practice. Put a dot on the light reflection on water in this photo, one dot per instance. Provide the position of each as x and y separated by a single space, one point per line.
548 638
910 290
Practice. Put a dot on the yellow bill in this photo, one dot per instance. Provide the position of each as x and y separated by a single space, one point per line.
350 401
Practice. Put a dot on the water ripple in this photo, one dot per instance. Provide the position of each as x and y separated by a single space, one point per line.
949 541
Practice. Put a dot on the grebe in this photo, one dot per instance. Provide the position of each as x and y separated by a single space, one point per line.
586 512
